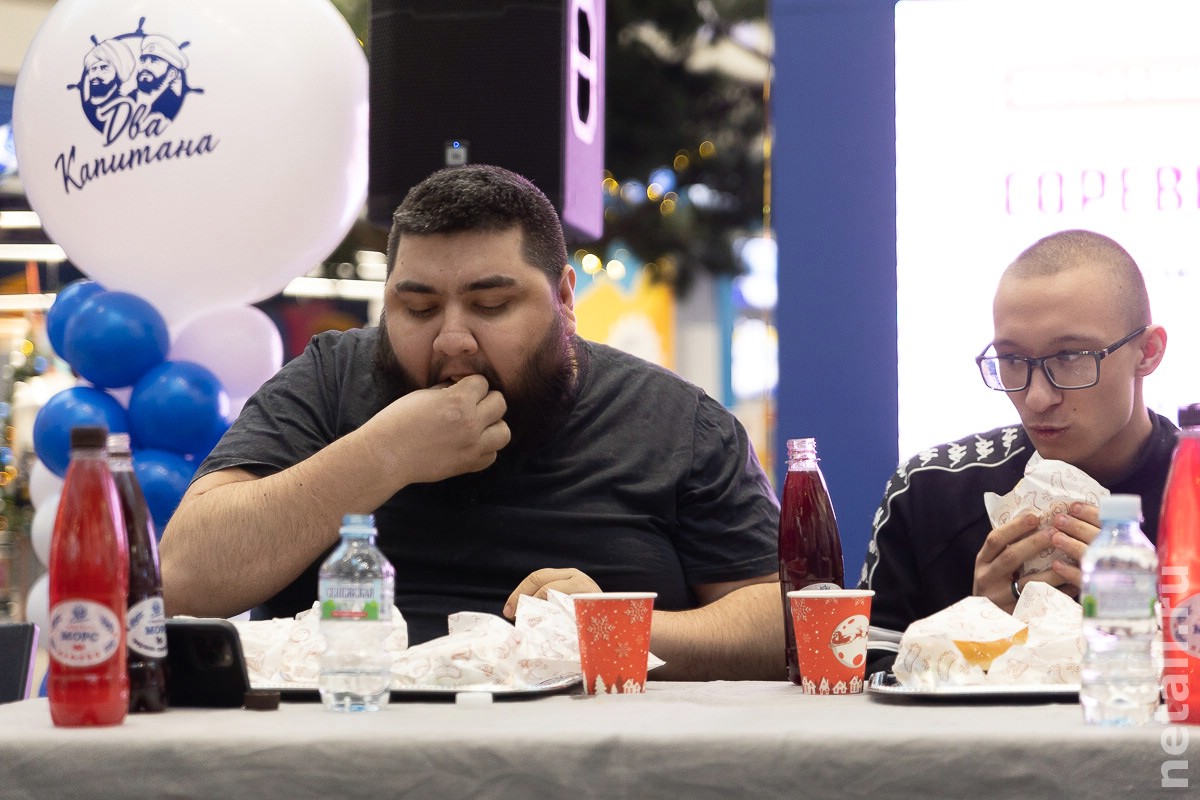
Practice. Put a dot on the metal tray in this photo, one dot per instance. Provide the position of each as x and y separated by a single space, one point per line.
560 685
885 685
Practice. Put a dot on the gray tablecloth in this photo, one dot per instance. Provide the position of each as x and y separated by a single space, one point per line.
690 740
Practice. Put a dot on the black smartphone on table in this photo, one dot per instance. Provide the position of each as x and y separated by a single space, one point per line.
207 667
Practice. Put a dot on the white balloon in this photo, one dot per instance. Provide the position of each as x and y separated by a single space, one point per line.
41 528
43 484
235 408
121 395
241 171
240 345
37 609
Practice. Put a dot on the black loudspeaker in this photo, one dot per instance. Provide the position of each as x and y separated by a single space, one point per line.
515 84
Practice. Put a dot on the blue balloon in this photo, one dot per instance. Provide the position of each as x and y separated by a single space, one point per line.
202 452
180 407
164 477
114 338
79 405
66 302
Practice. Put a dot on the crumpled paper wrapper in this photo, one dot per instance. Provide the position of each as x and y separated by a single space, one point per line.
286 652
1048 488
1054 649
974 642
479 650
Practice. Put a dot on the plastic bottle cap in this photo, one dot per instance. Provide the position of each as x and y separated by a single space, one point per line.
118 443
88 436
1189 416
1121 506
261 700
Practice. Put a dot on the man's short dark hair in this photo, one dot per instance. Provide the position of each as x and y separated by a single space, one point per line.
1077 248
479 197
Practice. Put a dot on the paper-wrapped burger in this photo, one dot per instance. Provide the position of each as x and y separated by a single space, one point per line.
1048 488
957 644
975 642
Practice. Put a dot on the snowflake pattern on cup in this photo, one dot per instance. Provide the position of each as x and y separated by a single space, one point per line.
614 640
600 627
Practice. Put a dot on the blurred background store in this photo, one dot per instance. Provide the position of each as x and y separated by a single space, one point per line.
683 274
807 204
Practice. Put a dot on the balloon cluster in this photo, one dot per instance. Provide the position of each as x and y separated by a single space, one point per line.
182 202
170 391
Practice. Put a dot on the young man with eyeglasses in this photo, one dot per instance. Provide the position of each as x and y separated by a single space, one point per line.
1073 341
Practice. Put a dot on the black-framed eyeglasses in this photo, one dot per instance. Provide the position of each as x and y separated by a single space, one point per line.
1067 369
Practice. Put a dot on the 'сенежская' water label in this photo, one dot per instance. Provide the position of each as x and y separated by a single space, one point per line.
1121 594
351 602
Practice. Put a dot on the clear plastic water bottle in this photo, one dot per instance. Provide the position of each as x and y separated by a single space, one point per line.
356 585
1121 666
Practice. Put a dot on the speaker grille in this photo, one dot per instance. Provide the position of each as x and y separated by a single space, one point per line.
486 73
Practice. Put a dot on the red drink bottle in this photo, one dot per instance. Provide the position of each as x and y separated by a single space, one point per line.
89 576
1179 573
810 548
146 626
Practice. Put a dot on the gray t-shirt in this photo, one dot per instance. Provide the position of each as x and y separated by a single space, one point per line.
649 485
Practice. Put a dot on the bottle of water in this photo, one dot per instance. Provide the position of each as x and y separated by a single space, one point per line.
356 585
1121 669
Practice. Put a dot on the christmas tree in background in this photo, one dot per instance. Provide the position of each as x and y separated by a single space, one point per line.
29 358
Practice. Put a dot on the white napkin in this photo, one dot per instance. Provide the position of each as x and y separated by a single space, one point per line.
478 650
1048 488
285 652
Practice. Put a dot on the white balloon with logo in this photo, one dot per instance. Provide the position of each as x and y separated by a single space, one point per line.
195 154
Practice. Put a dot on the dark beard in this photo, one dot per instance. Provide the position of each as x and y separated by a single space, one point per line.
151 83
101 92
538 399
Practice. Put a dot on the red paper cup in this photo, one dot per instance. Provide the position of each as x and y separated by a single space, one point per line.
831 638
614 640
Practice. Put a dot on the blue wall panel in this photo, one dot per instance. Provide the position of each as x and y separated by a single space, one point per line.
834 209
